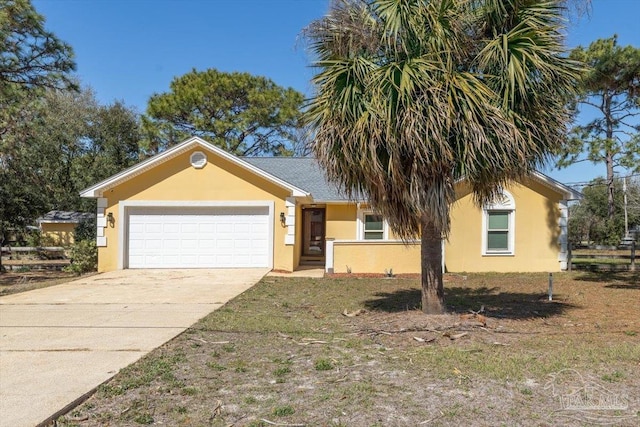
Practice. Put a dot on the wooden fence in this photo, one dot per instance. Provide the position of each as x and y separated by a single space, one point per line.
36 258
618 259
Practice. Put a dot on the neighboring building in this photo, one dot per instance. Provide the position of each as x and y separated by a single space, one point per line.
197 206
58 227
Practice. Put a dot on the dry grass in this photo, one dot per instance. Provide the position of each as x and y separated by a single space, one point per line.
284 353
13 282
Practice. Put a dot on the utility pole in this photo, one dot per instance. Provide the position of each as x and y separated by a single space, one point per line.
626 218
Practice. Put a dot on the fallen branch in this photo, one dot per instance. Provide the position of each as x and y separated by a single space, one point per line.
456 336
281 424
208 342
217 411
78 419
430 420
427 340
237 419
354 313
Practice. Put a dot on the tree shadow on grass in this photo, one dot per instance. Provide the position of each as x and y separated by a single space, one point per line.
397 301
613 279
510 305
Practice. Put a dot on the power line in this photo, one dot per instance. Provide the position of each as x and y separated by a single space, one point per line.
592 184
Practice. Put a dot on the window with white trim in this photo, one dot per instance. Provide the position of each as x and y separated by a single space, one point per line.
498 220
371 226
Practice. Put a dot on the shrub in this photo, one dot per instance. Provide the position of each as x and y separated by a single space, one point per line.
84 257
86 229
33 238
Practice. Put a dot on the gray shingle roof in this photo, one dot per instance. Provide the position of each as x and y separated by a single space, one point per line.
303 172
64 216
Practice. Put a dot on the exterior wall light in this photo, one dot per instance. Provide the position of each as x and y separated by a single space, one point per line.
111 220
283 219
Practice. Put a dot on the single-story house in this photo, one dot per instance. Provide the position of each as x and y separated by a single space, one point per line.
58 227
197 206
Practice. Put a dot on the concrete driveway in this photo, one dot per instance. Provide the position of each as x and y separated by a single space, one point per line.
58 343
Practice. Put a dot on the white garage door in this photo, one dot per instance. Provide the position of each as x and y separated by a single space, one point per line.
198 237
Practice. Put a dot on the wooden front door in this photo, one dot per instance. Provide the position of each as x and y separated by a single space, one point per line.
313 232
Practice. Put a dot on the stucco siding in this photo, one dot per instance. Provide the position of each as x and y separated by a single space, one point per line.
341 221
176 180
536 233
58 234
376 257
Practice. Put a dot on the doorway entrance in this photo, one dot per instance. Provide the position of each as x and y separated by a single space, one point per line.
313 234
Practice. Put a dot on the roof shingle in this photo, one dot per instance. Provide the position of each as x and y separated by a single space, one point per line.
302 172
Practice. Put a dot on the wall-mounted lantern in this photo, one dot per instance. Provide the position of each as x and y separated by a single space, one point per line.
111 220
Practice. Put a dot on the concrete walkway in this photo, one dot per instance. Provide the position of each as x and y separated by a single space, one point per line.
302 271
59 343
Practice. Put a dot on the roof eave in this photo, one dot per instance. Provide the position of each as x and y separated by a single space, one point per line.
98 189
57 221
568 192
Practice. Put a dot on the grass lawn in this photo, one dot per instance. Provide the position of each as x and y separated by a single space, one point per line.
357 352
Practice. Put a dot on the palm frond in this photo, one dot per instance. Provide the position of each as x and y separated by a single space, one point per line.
413 95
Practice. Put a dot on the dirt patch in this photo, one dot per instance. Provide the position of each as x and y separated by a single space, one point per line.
372 276
13 282
358 352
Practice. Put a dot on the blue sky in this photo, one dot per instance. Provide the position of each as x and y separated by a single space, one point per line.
130 49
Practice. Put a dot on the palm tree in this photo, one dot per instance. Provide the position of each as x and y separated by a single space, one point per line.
415 95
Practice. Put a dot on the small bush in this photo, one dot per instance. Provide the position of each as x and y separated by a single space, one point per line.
33 238
84 257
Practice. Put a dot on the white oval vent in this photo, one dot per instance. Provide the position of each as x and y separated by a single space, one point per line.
198 159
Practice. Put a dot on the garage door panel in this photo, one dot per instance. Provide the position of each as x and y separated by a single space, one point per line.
171 228
207 228
152 244
241 228
198 237
207 244
224 243
170 244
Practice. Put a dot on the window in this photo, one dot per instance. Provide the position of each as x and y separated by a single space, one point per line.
498 226
373 227
497 231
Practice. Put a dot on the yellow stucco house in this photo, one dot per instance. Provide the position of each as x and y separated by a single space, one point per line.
197 206
58 227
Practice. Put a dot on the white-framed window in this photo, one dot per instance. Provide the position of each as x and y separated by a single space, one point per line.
371 226
498 226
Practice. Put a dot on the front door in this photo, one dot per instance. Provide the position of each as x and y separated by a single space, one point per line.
313 232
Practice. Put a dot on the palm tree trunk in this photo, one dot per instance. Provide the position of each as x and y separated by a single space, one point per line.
431 260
